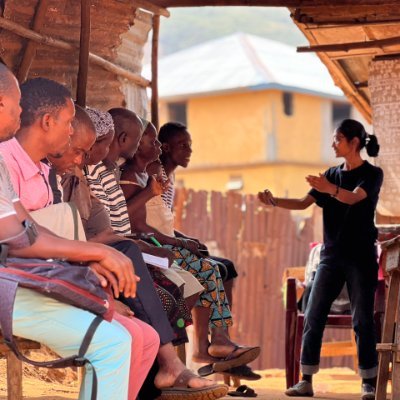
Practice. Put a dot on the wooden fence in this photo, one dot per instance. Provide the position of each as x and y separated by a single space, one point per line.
262 242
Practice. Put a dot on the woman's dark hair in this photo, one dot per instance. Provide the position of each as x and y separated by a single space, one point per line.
170 130
351 128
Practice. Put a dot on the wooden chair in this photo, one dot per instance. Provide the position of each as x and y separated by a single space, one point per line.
389 349
14 366
295 322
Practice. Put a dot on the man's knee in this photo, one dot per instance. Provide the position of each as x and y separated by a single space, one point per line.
111 338
151 337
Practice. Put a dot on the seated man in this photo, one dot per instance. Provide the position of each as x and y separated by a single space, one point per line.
98 228
211 312
57 325
103 180
176 151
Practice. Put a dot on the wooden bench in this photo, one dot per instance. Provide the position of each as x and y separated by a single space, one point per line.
14 366
389 348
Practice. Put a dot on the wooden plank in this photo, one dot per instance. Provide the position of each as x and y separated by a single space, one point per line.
272 3
30 50
154 71
342 79
325 25
396 354
387 335
14 377
392 257
153 8
60 44
326 48
335 349
84 46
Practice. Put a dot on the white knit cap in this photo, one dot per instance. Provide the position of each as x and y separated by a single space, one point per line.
102 121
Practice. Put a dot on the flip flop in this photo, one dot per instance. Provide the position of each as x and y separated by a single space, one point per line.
206 370
181 391
233 360
242 372
243 391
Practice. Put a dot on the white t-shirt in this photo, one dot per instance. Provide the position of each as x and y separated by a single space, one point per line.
7 193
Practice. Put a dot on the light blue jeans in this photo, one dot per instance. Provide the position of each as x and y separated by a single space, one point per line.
62 328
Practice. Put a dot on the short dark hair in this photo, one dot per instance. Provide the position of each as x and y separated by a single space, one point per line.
82 118
6 78
170 130
40 96
120 116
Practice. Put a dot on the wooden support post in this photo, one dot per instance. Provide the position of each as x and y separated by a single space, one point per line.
153 8
154 71
14 377
369 44
181 352
84 46
30 50
60 44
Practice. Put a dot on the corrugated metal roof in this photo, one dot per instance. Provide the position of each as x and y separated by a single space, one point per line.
242 62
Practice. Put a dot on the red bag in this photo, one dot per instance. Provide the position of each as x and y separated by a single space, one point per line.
72 284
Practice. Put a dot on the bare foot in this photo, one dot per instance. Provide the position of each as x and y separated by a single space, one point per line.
168 373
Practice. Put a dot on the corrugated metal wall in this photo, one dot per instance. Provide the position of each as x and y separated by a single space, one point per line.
262 242
112 37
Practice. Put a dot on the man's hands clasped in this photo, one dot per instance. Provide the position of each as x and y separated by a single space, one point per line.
116 270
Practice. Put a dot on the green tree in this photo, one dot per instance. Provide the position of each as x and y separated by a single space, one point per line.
190 26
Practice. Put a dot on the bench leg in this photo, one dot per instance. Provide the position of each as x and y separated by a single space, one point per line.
14 377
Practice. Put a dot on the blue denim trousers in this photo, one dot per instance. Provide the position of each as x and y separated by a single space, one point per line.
361 278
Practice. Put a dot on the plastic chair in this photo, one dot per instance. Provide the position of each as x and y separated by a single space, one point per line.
294 330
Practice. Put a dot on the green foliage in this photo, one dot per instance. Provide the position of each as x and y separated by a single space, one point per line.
190 26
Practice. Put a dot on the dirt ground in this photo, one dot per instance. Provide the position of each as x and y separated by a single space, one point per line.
42 384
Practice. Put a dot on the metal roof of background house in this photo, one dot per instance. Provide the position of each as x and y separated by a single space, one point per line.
242 62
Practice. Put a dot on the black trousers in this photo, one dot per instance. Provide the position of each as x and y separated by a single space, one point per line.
146 305
227 273
361 278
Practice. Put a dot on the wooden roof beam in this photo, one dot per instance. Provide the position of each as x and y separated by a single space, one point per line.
347 24
30 49
361 85
370 44
153 8
356 96
272 3
60 44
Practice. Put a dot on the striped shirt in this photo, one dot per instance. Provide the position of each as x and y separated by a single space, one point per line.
7 193
169 194
104 185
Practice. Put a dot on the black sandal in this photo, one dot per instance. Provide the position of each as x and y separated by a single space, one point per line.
243 391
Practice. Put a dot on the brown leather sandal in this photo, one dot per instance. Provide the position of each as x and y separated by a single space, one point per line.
235 360
181 390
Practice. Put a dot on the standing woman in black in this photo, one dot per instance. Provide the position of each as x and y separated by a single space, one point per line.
348 195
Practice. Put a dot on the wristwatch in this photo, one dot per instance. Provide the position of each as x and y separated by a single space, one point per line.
31 230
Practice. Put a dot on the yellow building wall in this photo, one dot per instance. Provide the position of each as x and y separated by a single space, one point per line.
248 135
284 180
227 128
299 135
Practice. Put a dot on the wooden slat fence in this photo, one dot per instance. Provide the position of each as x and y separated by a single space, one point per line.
262 242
